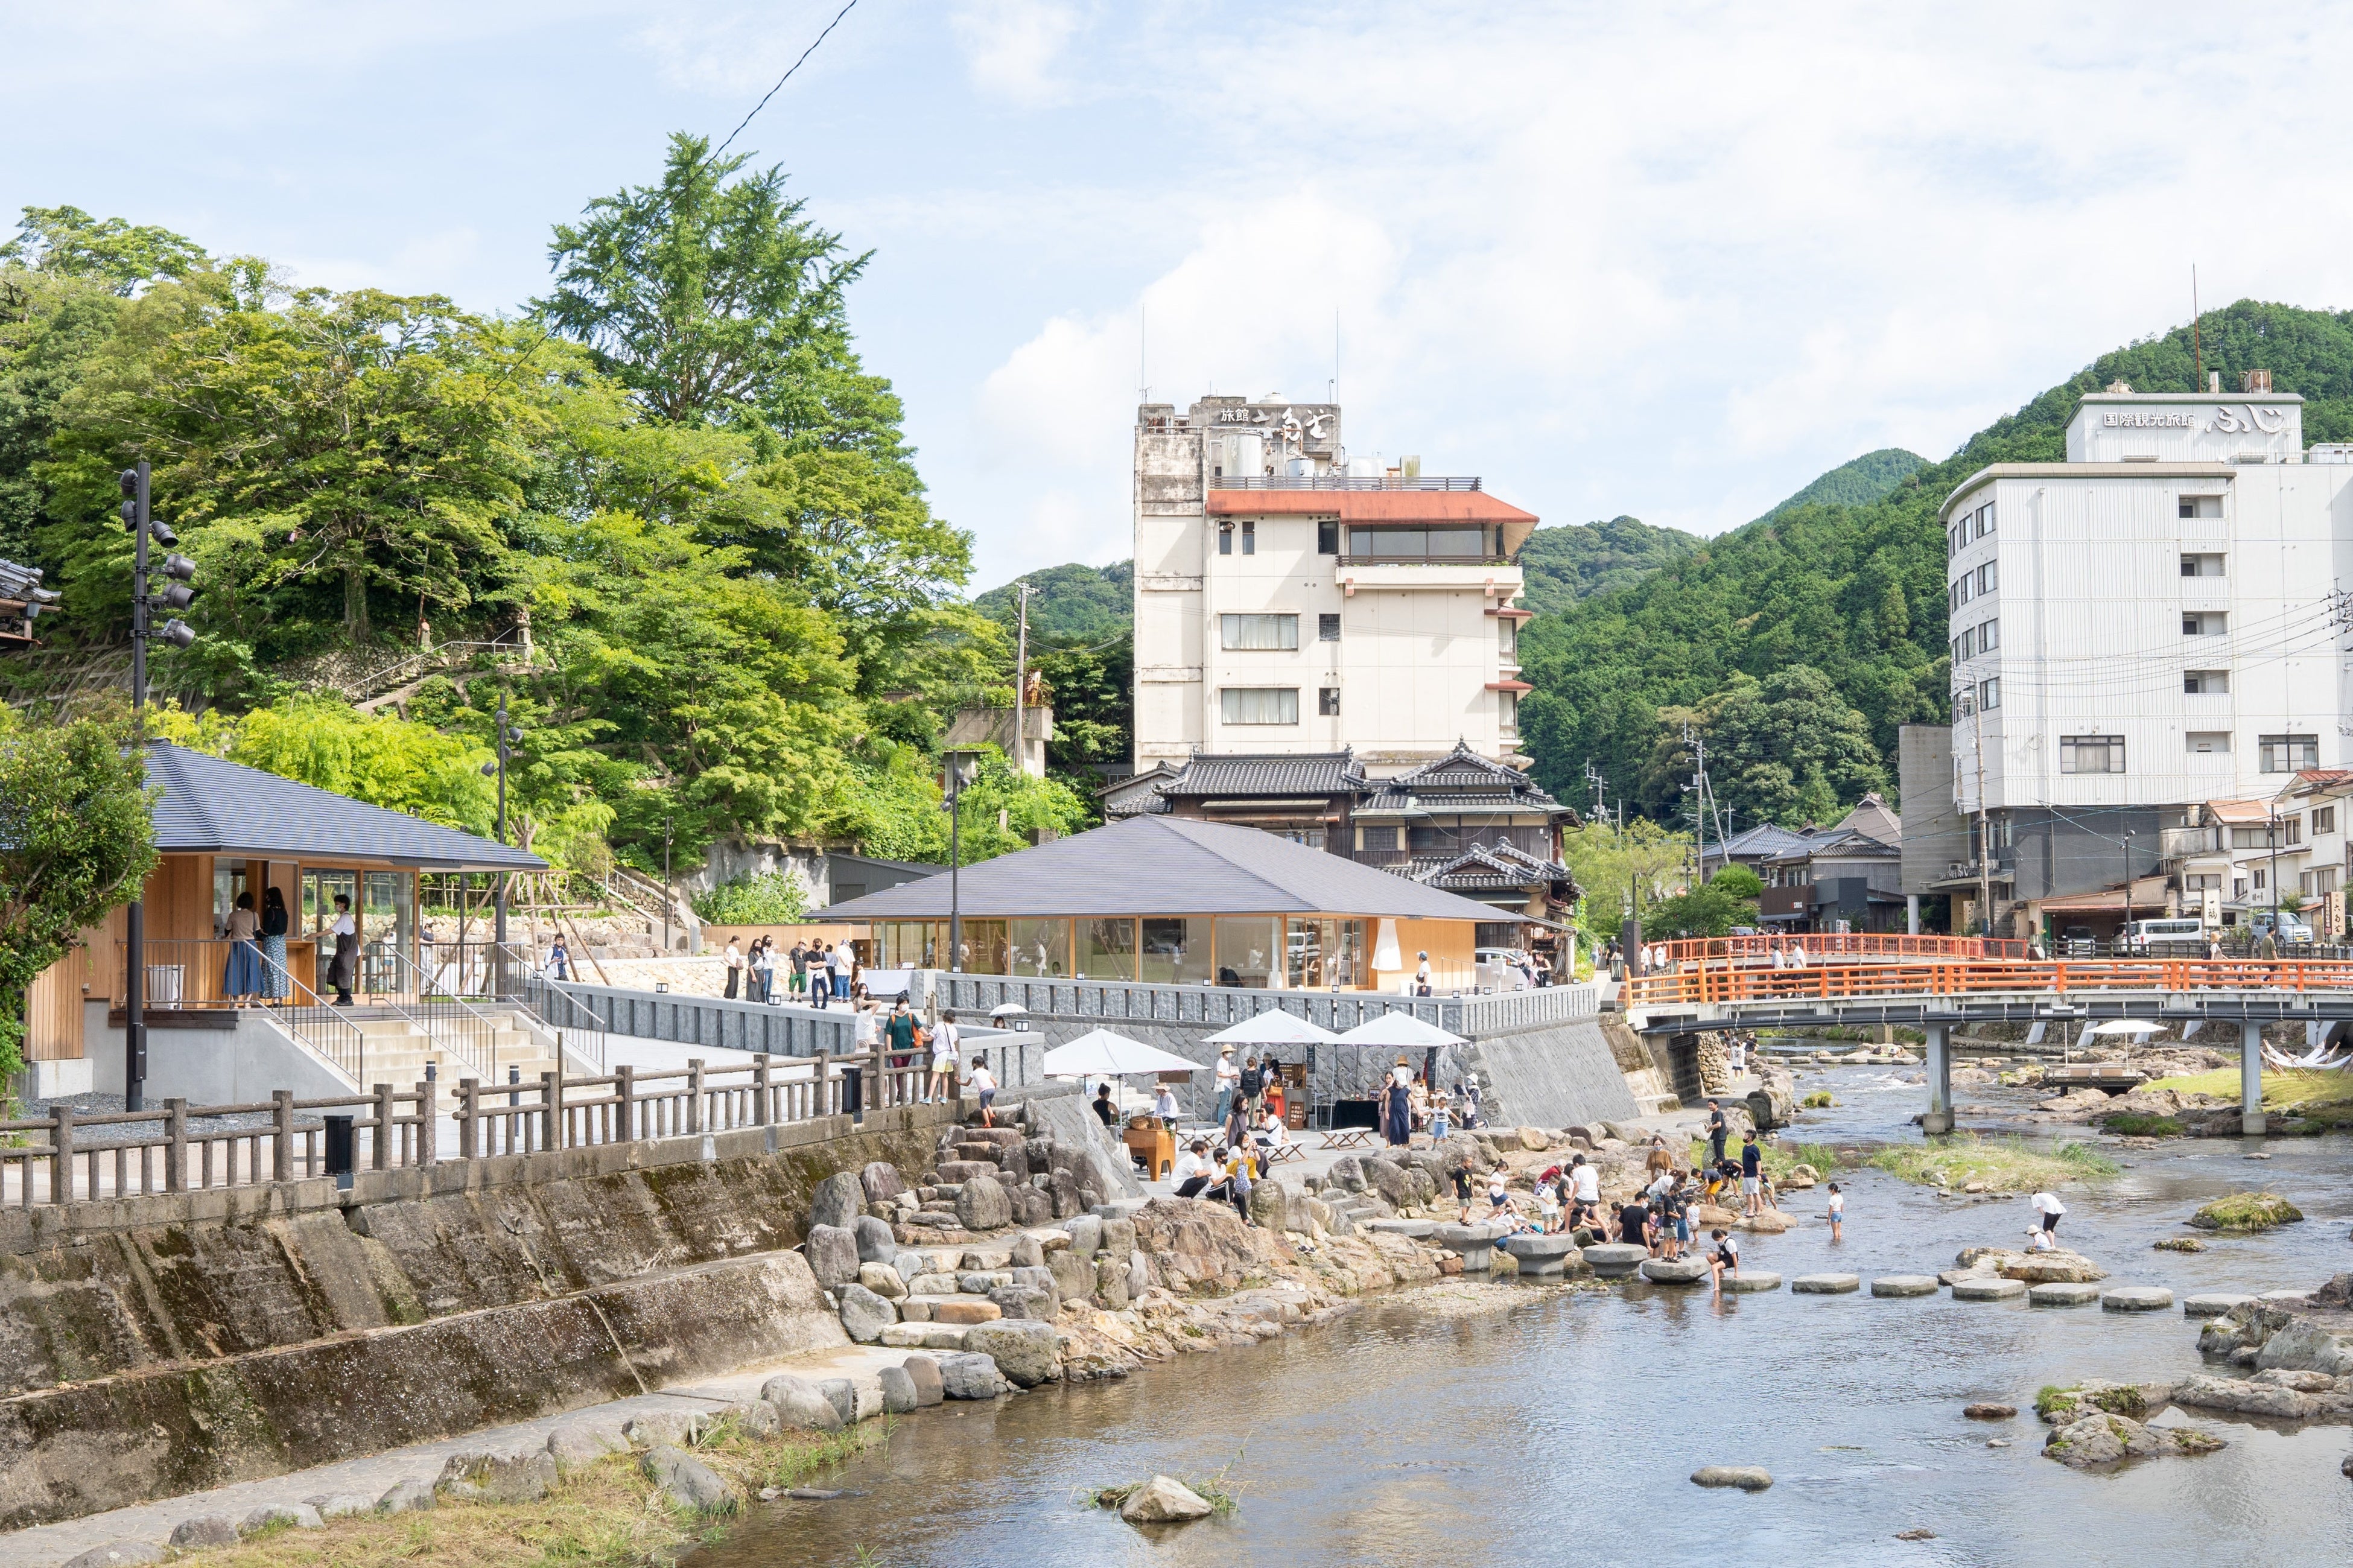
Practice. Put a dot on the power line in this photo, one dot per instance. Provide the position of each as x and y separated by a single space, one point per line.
772 92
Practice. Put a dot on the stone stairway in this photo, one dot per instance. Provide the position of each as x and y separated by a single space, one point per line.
397 1051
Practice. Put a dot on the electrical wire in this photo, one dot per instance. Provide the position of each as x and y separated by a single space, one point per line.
772 92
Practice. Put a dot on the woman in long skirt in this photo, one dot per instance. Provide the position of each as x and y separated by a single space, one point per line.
274 922
1397 1100
243 976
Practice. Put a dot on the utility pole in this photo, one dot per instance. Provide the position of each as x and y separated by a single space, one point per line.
1985 830
956 780
1022 678
2123 931
507 736
176 595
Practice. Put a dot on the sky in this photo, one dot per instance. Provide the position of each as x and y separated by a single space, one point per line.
1670 260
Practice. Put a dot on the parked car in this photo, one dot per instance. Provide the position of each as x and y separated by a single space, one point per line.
2290 925
2077 942
2173 936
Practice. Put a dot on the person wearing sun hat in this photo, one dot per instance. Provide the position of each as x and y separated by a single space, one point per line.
1230 1078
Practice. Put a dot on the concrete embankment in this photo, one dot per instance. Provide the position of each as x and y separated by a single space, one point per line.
160 1345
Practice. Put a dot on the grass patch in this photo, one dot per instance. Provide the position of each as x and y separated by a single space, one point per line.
2246 1212
2140 1124
601 1515
2006 1165
2282 1090
1217 1489
1819 1100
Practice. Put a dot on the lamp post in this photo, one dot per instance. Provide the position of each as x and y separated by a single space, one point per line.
2270 824
957 778
507 737
2123 931
668 897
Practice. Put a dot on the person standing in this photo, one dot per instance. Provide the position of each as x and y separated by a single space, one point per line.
837 963
559 958
1718 1131
1838 1214
1752 1166
342 969
1396 1117
243 978
1421 975
944 1041
899 1036
2047 1208
799 959
1252 1086
1228 1077
274 924
734 968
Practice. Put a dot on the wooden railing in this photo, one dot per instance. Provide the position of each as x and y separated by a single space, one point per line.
1700 984
1830 944
178 1147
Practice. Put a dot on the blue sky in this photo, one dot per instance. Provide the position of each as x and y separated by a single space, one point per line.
1670 260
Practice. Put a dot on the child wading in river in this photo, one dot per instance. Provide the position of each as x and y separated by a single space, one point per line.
1727 1256
1838 1213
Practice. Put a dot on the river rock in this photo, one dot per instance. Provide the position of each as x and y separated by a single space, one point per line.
1747 1477
898 1390
1073 1273
2056 1267
1474 1244
932 1285
981 1281
2136 1298
1163 1499
2103 1439
687 1482
883 1280
301 1516
1027 1252
1390 1180
840 1200
1984 1410
2256 1397
1767 1222
1988 1287
1417 1229
1347 1172
1085 1232
1028 1353
411 1496
882 1181
875 1242
1755 1281
1270 1205
114 1553
966 1310
2244 1212
832 1252
969 1376
984 1205
210 1530
1139 1276
2060 1293
2178 1244
577 1443
495 1478
342 1505
2213 1305
864 1314
1905 1285
1824 1284
842 1395
1110 1283
1031 1206
799 1405
923 1371
1025 1301
1610 1260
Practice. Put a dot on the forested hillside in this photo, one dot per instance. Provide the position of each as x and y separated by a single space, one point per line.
666 510
1089 603
1565 564
1800 643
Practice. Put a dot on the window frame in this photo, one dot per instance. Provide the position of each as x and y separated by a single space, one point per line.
1327 702
2111 749
1225 619
1227 707
2282 749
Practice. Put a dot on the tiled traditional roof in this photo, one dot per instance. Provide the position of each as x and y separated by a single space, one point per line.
1271 773
1137 795
1764 840
1488 866
1843 842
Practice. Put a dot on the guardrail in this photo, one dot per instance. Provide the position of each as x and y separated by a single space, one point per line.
778 1028
1705 985
1833 945
178 1147
1218 1005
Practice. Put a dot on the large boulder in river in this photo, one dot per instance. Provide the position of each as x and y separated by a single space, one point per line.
840 1199
1202 1245
2246 1212
2056 1267
2101 1438
1027 1353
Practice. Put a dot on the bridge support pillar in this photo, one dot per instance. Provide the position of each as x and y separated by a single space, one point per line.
2251 1078
1939 1119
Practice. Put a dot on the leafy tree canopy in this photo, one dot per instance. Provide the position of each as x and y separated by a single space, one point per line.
1069 604
1562 565
123 257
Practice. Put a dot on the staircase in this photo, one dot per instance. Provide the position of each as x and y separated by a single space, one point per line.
395 1049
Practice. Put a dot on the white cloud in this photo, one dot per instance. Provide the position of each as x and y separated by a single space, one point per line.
1012 47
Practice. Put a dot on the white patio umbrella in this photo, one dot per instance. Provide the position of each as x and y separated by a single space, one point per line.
2128 1026
1101 1054
1275 1029
1398 1031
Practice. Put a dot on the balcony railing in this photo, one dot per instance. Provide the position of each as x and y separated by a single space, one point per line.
1336 482
1388 559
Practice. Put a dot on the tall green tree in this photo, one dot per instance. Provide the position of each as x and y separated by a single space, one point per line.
121 256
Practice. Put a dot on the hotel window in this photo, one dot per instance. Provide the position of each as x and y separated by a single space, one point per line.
1251 634
2091 753
1327 628
1249 536
2288 753
1984 520
2201 566
2200 506
2259 878
1989 693
1507 637
1965 702
2204 624
1327 537
2324 820
1960 593
1225 539
1988 577
1259 704
2292 829
2244 838
2319 883
2206 683
2201 881
1507 710
1989 637
2207 742
1327 701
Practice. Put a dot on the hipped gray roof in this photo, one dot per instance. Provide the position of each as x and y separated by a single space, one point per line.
1165 866
212 806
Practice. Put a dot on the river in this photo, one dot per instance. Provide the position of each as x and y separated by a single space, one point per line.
1564 1430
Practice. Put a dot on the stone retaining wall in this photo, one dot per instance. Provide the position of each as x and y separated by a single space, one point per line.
157 1345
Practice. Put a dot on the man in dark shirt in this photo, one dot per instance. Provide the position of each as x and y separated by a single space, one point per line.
1633 1225
1719 1130
1253 1085
1752 1159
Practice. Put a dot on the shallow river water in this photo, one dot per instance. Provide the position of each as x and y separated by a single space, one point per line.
1564 1430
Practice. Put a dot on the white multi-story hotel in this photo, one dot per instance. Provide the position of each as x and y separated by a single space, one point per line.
1289 600
2143 627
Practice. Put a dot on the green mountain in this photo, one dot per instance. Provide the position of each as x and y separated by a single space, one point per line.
1858 483
1069 604
1582 559
1800 643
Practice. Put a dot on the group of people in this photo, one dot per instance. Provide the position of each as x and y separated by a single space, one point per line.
818 972
256 974
1225 1176
1247 1093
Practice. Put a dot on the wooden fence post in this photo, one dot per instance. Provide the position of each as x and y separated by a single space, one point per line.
61 1154
428 1123
281 1118
625 1107
551 1094
176 1146
694 1094
469 1112
760 1091
386 1128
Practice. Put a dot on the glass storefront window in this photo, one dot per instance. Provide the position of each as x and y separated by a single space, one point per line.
1303 954
984 948
1107 948
1175 950
1249 950
1040 949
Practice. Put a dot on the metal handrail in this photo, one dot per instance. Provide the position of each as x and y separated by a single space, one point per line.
301 1018
468 1023
1340 482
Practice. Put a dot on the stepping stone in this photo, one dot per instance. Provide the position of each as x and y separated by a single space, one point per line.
2213 1306
1676 1271
1474 1244
1610 1260
1545 1257
2060 1294
1905 1285
1754 1282
1419 1229
2136 1298
1992 1289
1824 1284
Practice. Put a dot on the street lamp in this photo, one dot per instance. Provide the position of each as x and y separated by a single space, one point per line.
958 777
2124 843
507 736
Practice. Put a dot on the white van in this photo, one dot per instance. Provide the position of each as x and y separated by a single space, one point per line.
2181 936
